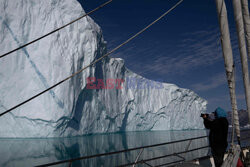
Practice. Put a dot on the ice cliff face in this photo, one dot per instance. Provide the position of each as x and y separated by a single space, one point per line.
73 108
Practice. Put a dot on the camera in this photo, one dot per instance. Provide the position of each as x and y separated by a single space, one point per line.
202 115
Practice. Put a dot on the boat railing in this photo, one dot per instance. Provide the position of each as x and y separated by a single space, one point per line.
137 161
141 149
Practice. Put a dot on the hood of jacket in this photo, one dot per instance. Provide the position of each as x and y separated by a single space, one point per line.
220 113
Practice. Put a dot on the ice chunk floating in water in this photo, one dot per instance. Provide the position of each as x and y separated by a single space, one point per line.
72 108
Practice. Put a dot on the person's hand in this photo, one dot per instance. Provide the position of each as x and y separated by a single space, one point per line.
204 116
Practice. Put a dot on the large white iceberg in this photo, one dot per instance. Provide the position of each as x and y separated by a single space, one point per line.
72 108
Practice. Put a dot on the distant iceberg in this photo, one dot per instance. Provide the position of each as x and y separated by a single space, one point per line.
124 101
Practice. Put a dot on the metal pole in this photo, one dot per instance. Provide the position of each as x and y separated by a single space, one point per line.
189 143
246 20
228 60
137 158
70 164
243 52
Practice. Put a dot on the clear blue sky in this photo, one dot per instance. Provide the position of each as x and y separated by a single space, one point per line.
182 48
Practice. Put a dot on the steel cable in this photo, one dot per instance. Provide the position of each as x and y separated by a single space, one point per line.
97 60
35 40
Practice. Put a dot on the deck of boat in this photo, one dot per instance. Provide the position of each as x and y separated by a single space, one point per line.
204 162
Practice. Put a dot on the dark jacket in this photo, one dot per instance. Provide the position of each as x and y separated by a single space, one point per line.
218 132
218 129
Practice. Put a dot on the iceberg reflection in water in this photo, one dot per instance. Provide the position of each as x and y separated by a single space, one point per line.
31 152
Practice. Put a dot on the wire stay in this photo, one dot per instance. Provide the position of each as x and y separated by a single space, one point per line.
35 40
94 62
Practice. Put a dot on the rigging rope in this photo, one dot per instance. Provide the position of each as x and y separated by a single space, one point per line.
92 11
97 60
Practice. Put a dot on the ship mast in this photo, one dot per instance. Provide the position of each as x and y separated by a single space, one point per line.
243 52
228 60
246 20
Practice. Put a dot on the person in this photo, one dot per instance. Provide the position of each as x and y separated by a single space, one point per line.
218 134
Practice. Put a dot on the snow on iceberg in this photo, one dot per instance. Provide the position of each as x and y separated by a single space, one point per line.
73 108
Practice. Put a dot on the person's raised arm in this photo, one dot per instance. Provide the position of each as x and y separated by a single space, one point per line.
208 123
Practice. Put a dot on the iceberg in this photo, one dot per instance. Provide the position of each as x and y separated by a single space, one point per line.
106 97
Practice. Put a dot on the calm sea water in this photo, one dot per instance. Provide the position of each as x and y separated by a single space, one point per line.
31 152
